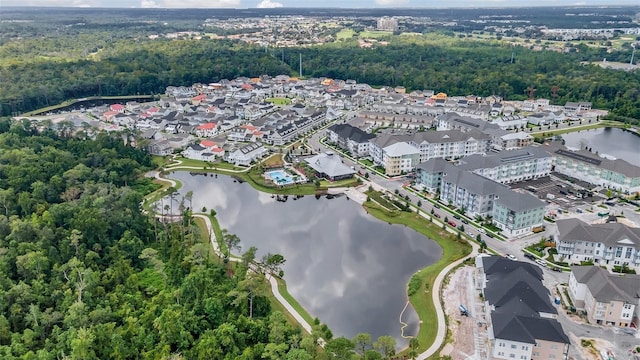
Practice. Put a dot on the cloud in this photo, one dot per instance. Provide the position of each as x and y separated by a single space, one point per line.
190 4
268 4
394 3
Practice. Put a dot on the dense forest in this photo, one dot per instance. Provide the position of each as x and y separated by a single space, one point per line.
88 275
36 74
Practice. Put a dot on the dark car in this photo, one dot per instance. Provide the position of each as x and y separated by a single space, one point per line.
529 256
556 269
490 235
437 215
465 221
436 206
456 216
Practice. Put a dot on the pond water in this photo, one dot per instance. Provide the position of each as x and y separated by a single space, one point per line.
614 142
342 265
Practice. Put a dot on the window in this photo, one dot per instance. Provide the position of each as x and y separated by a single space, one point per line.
523 357
525 347
513 346
552 356
512 355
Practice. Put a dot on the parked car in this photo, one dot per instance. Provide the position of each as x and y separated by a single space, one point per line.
510 257
436 206
456 216
541 262
465 221
529 256
556 269
490 235
452 223
437 215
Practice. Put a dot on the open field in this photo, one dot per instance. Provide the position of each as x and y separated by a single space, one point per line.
345 34
374 34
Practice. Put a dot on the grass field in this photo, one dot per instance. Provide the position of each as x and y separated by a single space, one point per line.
273 161
452 248
278 101
374 34
345 34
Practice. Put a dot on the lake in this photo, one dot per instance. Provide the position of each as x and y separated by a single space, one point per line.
342 265
615 142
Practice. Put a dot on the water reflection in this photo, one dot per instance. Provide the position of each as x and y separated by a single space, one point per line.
609 141
344 266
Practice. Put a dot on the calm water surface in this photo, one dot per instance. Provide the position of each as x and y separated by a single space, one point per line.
610 141
344 266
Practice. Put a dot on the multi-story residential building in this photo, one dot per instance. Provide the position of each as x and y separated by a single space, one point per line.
350 138
609 245
607 299
386 23
449 144
394 154
522 322
429 174
514 140
466 187
246 154
584 165
511 166
517 214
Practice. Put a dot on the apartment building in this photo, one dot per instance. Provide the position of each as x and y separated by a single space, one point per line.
511 166
608 245
608 299
350 138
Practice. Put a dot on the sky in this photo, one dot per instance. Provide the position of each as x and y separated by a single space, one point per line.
311 3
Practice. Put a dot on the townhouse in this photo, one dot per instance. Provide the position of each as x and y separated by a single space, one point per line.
606 298
611 245
349 138
520 317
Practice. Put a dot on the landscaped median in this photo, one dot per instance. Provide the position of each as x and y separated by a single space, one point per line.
453 249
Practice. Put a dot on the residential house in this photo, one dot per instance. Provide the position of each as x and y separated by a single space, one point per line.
610 245
606 298
246 154
522 321
207 129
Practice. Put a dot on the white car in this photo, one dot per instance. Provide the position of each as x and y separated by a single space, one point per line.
541 262
510 257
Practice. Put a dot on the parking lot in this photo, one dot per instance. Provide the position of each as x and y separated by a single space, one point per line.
561 194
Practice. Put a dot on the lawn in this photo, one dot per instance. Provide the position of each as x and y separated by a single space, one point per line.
273 161
452 248
544 133
340 183
282 287
345 34
204 165
278 101
375 34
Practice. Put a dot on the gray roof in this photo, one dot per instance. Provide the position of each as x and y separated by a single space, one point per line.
467 122
493 160
517 297
606 287
447 136
472 182
347 131
518 201
610 234
330 164
618 165
435 165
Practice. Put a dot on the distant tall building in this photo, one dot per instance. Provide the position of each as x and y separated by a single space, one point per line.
387 24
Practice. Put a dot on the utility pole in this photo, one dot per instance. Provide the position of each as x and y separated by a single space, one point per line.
300 72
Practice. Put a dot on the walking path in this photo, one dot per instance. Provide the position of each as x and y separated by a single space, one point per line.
357 195
272 280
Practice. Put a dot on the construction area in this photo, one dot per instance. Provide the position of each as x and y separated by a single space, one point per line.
465 310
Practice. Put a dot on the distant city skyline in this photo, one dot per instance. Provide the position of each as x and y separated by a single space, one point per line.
314 3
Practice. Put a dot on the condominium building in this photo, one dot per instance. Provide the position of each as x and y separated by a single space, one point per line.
607 299
511 166
350 138
609 245
584 165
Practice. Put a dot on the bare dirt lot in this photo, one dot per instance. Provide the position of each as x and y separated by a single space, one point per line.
460 290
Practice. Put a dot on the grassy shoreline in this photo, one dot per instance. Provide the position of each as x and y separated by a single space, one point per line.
452 249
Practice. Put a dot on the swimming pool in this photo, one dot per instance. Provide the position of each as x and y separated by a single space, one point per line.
280 177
